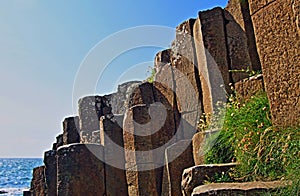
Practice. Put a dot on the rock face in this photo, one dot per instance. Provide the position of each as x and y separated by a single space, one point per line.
140 160
183 151
239 11
198 143
186 76
277 39
111 134
80 171
38 181
51 172
238 54
236 189
71 130
118 99
149 127
195 176
249 87
211 49
59 142
91 108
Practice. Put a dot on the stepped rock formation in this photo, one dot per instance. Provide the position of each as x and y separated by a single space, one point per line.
143 136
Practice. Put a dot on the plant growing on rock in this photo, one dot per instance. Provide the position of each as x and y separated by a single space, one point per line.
265 152
152 72
247 71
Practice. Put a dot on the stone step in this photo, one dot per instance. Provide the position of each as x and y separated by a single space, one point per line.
235 189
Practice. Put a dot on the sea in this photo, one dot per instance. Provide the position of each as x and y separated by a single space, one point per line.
16 174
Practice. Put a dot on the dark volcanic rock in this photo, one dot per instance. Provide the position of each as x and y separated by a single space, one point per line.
38 184
71 130
80 170
118 99
179 156
211 50
111 134
59 141
149 127
91 108
51 172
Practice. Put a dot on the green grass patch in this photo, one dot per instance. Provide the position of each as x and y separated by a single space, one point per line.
265 152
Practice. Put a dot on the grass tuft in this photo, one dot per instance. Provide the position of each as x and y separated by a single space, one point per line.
265 152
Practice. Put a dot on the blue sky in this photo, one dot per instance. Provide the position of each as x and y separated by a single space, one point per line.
43 43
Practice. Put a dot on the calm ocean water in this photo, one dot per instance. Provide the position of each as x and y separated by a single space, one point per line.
16 174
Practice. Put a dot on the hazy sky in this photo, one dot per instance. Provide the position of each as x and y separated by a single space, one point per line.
42 44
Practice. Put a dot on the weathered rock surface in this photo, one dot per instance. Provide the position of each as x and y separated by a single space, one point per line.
238 54
185 72
278 46
177 69
38 184
249 87
112 139
195 176
211 51
91 108
118 99
51 172
157 104
140 160
80 170
239 11
149 127
236 189
178 157
164 70
71 130
59 142
198 143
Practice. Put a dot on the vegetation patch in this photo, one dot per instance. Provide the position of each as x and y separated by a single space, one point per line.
264 152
